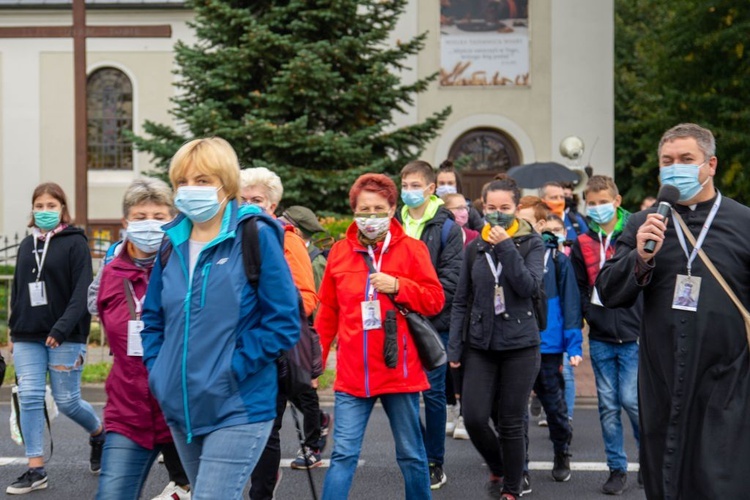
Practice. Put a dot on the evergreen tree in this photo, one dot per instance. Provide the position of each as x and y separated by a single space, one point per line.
681 61
307 88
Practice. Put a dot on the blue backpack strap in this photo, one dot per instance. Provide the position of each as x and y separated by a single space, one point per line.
111 253
447 225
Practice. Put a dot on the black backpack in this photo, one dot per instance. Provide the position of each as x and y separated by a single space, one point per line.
303 362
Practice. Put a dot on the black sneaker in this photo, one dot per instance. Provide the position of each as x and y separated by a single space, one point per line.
526 484
561 467
616 484
437 477
29 481
95 459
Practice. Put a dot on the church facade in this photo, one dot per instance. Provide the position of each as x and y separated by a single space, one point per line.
520 75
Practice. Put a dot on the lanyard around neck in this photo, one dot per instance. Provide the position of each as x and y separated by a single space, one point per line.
40 262
603 246
138 303
496 270
702 236
377 263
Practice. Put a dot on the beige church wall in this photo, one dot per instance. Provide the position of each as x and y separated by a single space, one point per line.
523 113
582 58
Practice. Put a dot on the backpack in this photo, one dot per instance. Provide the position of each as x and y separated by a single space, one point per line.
539 299
303 362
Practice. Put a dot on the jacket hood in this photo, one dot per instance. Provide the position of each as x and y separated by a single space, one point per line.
622 219
179 229
524 229
550 240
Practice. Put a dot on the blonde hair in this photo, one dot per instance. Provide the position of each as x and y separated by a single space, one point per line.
147 190
210 156
269 181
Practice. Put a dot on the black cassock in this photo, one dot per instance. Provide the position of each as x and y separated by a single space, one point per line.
694 370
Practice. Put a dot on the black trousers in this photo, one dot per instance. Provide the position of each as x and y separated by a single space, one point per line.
309 405
509 376
174 465
263 478
550 388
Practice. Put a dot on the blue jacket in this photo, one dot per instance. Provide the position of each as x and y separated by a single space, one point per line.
563 333
210 344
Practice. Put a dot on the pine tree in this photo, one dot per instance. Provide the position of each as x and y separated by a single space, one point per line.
307 88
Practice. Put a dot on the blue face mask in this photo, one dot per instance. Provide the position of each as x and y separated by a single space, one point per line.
198 203
445 189
46 220
684 178
560 239
601 214
412 198
146 235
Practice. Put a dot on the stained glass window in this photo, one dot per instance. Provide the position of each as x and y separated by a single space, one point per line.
110 114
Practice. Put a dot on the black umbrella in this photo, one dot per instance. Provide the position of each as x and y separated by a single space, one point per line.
534 175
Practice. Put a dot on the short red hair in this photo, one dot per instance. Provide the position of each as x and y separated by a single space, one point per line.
375 183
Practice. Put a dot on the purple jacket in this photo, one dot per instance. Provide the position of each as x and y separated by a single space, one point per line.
131 410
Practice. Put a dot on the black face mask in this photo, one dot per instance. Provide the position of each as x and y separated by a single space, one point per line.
571 203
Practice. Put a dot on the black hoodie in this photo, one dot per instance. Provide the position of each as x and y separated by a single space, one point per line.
66 273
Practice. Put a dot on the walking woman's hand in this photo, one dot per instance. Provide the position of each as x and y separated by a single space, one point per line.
455 365
51 342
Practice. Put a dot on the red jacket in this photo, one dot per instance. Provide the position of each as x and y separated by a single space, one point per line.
131 410
360 367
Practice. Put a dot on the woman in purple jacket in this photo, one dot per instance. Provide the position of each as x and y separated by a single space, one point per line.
136 430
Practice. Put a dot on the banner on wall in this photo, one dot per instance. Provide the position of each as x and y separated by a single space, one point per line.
484 43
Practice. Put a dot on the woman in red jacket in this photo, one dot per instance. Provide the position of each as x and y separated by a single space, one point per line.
136 430
354 307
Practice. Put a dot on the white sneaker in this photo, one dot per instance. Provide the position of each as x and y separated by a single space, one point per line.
451 416
460 431
173 492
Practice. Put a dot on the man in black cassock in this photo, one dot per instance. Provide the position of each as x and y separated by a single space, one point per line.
694 373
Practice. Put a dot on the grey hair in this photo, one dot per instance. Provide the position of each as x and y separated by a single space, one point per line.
703 136
543 189
147 190
261 176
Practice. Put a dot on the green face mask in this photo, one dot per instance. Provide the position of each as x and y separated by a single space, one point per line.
47 220
500 219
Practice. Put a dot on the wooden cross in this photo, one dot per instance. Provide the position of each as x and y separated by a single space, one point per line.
79 32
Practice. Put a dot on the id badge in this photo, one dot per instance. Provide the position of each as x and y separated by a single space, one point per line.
687 290
37 294
371 315
595 298
135 346
499 300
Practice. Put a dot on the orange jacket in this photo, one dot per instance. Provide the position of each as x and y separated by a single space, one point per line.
296 256
360 367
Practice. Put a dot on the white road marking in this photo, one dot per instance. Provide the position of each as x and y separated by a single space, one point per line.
325 463
581 466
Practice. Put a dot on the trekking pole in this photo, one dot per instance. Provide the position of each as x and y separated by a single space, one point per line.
301 437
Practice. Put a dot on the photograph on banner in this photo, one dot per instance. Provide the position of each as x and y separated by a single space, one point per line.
484 42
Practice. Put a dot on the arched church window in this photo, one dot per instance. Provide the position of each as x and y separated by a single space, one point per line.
480 154
485 149
110 114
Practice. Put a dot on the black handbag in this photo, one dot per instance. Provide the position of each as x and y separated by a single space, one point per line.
429 344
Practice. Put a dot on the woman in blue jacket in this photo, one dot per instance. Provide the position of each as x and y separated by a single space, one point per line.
210 338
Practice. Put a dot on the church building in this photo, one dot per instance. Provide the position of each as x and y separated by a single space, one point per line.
520 75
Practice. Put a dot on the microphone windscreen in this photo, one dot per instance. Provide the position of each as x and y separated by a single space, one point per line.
668 194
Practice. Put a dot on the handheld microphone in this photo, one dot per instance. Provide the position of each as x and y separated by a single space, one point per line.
668 196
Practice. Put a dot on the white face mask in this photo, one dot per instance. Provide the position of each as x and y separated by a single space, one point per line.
373 226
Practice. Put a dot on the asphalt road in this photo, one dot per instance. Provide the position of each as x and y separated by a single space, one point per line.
377 478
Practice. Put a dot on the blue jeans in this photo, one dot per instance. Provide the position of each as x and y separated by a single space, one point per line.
570 385
64 363
219 464
435 412
125 467
351 416
616 374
